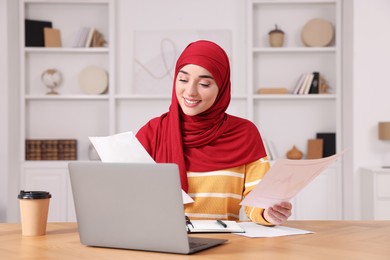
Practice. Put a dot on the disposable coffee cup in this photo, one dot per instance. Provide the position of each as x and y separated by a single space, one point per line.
34 209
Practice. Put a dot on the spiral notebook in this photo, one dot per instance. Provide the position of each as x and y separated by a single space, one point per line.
214 226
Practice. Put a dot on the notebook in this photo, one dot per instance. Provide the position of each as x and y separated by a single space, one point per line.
214 226
132 206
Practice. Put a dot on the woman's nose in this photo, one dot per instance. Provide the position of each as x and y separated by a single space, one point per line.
192 89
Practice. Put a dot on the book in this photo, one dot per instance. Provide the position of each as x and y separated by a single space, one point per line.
315 84
81 37
299 84
307 85
213 226
52 37
76 38
304 83
272 91
51 149
98 39
34 32
88 42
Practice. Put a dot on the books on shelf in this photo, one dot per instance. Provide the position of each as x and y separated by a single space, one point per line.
315 84
87 37
308 83
34 32
88 42
47 149
81 37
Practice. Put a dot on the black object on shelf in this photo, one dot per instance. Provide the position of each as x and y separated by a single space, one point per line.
34 36
315 84
329 147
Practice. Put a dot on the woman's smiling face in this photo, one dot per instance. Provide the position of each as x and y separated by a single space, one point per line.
196 89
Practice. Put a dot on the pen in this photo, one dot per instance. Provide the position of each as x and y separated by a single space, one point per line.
188 221
222 223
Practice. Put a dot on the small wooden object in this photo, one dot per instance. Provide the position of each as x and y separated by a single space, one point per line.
294 154
52 37
314 148
272 91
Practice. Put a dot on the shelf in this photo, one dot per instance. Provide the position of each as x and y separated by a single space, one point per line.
67 2
295 97
159 97
141 97
284 2
66 97
293 49
65 50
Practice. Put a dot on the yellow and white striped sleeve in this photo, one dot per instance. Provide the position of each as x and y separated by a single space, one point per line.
254 172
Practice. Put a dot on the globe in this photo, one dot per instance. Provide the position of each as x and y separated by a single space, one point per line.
51 78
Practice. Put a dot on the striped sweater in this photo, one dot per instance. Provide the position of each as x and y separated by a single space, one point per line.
217 194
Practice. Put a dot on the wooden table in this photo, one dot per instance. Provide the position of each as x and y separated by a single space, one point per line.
331 240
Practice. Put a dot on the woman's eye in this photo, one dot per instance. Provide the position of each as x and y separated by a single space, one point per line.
183 80
204 84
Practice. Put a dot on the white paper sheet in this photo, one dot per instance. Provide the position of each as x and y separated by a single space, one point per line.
285 179
125 147
255 230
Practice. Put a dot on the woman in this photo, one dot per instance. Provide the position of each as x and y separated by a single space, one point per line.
221 157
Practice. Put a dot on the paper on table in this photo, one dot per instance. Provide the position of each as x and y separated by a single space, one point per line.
285 179
255 230
125 147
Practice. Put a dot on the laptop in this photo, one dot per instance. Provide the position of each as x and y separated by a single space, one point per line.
132 206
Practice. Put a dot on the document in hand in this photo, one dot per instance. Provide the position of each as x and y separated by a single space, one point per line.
125 147
285 179
213 226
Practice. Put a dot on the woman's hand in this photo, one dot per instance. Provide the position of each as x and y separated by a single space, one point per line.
278 214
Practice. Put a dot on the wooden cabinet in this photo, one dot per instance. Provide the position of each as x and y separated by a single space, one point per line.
375 193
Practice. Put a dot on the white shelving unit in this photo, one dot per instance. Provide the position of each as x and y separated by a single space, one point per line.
287 120
71 114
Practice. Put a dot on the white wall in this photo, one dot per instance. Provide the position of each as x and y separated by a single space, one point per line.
3 112
371 85
173 15
9 86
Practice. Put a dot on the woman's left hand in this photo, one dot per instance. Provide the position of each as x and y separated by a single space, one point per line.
279 213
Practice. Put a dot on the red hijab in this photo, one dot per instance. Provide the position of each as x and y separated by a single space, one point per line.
211 140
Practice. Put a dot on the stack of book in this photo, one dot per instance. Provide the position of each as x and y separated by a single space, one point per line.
88 37
308 83
62 149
